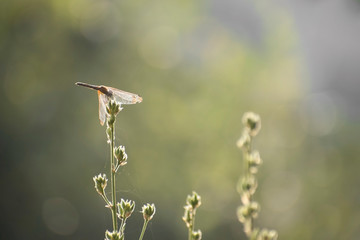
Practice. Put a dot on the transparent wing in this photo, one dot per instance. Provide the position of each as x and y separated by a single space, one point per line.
125 97
103 101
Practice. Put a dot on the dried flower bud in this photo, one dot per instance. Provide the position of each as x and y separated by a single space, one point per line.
188 216
254 232
120 155
250 210
196 235
254 161
252 123
100 183
115 235
111 120
244 140
125 208
268 235
194 200
254 209
242 213
148 211
247 185
108 134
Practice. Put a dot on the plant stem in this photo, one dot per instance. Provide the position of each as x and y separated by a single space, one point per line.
248 174
143 229
113 188
191 227
106 200
190 234
122 226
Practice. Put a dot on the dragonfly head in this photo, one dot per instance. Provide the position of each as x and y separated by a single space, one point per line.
106 91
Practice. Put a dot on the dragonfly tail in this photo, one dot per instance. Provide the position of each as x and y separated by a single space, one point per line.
88 85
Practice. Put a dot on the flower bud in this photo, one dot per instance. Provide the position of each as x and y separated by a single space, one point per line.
188 216
100 183
254 161
242 213
196 235
125 208
115 235
108 134
252 123
113 108
111 120
247 185
194 201
254 209
148 211
120 155
244 140
268 235
250 210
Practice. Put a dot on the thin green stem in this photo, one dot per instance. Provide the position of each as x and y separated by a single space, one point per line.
250 197
193 221
122 226
106 200
190 234
192 225
113 187
248 174
143 229
247 152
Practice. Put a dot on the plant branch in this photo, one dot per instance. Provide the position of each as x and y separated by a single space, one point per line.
112 171
143 229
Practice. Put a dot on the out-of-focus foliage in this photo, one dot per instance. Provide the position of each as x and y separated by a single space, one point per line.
199 65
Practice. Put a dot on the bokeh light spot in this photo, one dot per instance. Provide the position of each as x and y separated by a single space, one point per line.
280 192
60 216
159 48
319 115
98 20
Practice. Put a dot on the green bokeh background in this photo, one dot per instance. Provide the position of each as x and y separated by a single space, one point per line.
197 77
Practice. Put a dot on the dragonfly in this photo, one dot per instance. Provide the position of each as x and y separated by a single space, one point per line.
105 94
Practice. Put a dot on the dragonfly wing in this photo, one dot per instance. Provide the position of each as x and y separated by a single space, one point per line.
125 97
103 101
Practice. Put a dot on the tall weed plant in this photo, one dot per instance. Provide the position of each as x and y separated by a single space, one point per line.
247 212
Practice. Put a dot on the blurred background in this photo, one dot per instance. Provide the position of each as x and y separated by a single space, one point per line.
199 65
